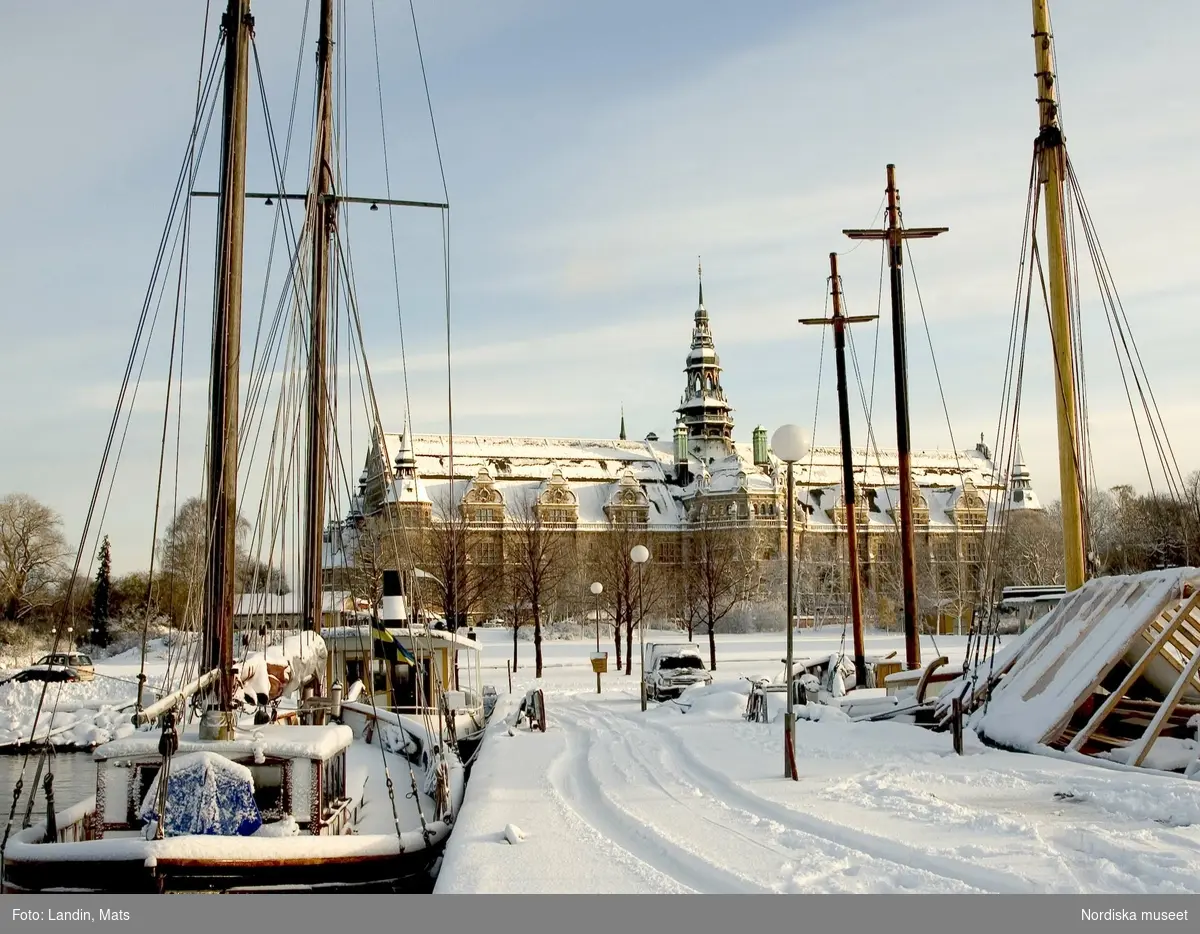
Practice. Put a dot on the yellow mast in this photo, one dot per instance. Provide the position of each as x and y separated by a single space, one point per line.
1051 155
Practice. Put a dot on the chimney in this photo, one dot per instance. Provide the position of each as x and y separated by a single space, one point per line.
394 611
681 453
761 457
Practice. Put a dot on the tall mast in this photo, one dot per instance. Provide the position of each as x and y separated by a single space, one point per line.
839 322
324 217
895 236
1052 159
219 578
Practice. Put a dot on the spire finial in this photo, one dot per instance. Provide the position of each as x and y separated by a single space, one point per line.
700 278
622 436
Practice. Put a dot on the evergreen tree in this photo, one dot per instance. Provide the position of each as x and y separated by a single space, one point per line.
100 597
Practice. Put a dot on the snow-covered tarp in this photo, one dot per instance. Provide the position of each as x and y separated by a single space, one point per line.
283 669
206 794
1060 661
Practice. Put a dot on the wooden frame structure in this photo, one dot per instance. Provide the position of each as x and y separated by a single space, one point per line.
1110 672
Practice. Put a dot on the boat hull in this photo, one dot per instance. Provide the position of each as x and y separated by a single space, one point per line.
78 862
393 873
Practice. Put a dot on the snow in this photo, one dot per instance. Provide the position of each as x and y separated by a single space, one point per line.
289 604
1167 753
289 742
519 467
514 834
1069 649
84 714
26 845
690 797
74 713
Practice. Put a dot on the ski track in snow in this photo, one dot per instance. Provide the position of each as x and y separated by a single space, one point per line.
639 790
574 781
613 765
1093 855
913 867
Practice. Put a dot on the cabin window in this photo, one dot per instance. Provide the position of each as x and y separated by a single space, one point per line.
354 671
333 784
270 783
143 778
380 675
404 685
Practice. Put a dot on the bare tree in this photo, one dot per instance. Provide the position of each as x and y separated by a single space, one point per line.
538 561
515 607
376 546
1031 552
32 550
719 573
183 558
609 556
453 552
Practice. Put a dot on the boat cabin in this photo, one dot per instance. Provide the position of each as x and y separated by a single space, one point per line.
439 658
298 772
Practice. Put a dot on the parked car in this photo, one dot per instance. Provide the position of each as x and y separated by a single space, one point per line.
672 667
76 661
46 673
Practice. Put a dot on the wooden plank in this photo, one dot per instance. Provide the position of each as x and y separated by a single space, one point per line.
1131 678
1056 731
1160 718
1183 710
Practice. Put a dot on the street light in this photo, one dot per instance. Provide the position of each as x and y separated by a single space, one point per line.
597 589
640 554
790 444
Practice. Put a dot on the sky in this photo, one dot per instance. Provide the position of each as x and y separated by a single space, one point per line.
591 153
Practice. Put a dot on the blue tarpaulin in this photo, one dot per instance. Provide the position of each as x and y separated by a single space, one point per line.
206 794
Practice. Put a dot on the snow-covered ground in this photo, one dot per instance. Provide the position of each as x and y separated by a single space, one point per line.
80 713
611 799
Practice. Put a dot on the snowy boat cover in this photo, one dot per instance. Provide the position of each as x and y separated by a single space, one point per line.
283 669
1059 661
206 794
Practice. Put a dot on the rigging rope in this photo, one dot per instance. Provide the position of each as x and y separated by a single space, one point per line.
157 268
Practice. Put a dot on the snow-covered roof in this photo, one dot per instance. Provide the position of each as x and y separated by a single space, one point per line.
823 467
409 637
535 458
520 468
271 604
287 742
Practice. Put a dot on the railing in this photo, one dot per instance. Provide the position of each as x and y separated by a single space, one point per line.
507 668
73 825
340 820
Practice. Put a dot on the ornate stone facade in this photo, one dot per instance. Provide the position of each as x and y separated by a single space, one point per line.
701 477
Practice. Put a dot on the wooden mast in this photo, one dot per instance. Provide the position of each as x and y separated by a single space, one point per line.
323 221
839 322
1052 159
219 578
895 236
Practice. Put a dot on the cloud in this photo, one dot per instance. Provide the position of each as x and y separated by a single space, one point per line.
589 163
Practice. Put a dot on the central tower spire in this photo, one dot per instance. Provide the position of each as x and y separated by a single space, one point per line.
703 409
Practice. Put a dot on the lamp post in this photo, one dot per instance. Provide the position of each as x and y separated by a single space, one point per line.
639 555
597 589
790 444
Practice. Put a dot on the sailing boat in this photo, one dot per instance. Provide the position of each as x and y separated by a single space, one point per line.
1113 671
257 796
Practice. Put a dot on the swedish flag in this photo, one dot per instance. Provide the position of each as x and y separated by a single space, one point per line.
388 645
